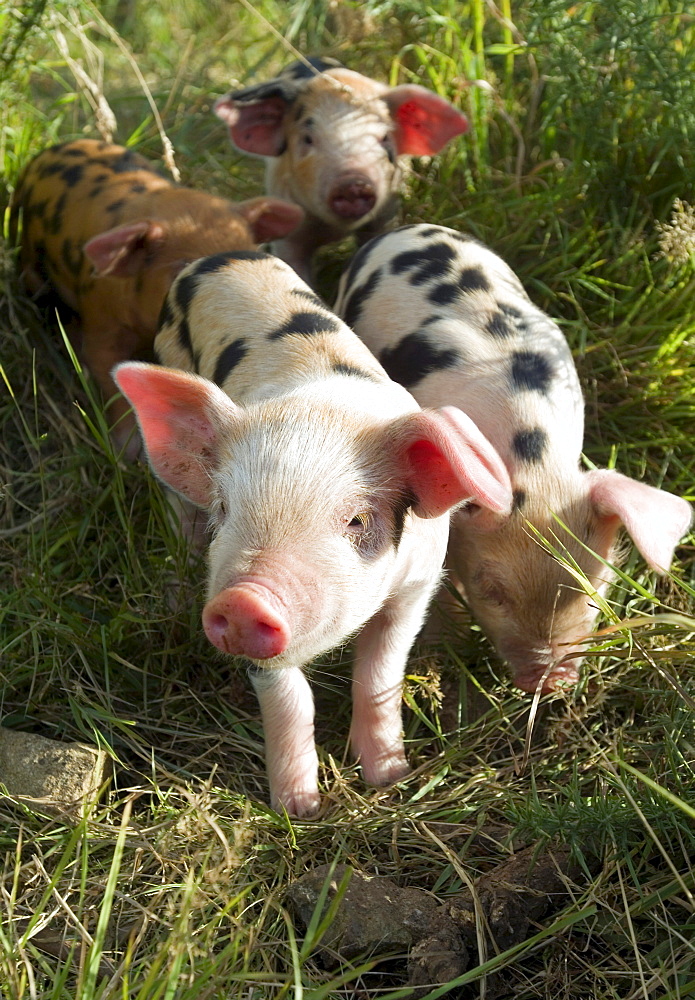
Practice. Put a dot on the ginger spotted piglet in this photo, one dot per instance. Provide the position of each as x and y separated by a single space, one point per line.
450 321
335 142
107 233
328 492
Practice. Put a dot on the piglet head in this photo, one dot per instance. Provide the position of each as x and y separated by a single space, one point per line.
336 136
538 615
312 510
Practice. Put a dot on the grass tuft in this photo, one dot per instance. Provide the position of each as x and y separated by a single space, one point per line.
579 170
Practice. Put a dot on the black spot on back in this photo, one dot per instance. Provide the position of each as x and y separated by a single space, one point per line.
50 169
55 223
184 336
497 326
166 314
443 294
72 257
96 191
127 161
307 324
425 263
472 279
309 296
185 290
137 188
73 175
415 357
343 369
217 261
529 445
530 371
229 358
359 296
74 152
115 206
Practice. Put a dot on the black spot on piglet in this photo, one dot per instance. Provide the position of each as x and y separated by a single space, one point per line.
530 371
415 357
359 296
307 324
229 358
529 445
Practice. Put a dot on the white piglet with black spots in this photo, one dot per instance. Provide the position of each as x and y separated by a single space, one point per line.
450 321
328 492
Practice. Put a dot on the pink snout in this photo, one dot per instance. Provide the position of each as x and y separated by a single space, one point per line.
247 620
352 197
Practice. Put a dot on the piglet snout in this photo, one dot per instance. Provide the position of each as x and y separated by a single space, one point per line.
352 197
247 620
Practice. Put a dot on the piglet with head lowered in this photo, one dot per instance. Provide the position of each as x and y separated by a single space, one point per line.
328 491
451 322
335 142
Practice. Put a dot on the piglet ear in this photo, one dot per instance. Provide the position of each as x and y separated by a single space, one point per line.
180 417
449 460
255 116
124 251
424 122
654 519
270 218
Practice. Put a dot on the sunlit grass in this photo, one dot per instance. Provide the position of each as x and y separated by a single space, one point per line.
582 138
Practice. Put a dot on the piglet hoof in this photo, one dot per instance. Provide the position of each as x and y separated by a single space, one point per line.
385 769
298 803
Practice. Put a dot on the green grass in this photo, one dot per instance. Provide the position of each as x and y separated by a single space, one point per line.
173 886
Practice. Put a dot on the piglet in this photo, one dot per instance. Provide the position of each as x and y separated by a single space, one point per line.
103 230
450 321
328 492
335 142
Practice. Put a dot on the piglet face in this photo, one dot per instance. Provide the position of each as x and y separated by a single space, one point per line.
333 138
317 505
537 614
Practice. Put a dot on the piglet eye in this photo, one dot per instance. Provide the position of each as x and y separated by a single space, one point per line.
357 521
308 140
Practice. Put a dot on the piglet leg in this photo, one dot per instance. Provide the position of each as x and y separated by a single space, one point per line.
381 652
287 709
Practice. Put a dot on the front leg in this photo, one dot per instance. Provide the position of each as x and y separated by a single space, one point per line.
287 710
381 653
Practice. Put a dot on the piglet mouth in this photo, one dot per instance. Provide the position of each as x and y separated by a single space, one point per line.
352 199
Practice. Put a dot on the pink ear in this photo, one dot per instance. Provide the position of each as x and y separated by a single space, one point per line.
654 519
255 128
424 121
123 251
451 460
270 218
180 416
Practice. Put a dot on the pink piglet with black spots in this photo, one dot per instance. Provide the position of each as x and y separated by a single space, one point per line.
328 492
450 321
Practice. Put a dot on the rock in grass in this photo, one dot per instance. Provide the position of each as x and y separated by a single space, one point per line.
50 776
377 917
